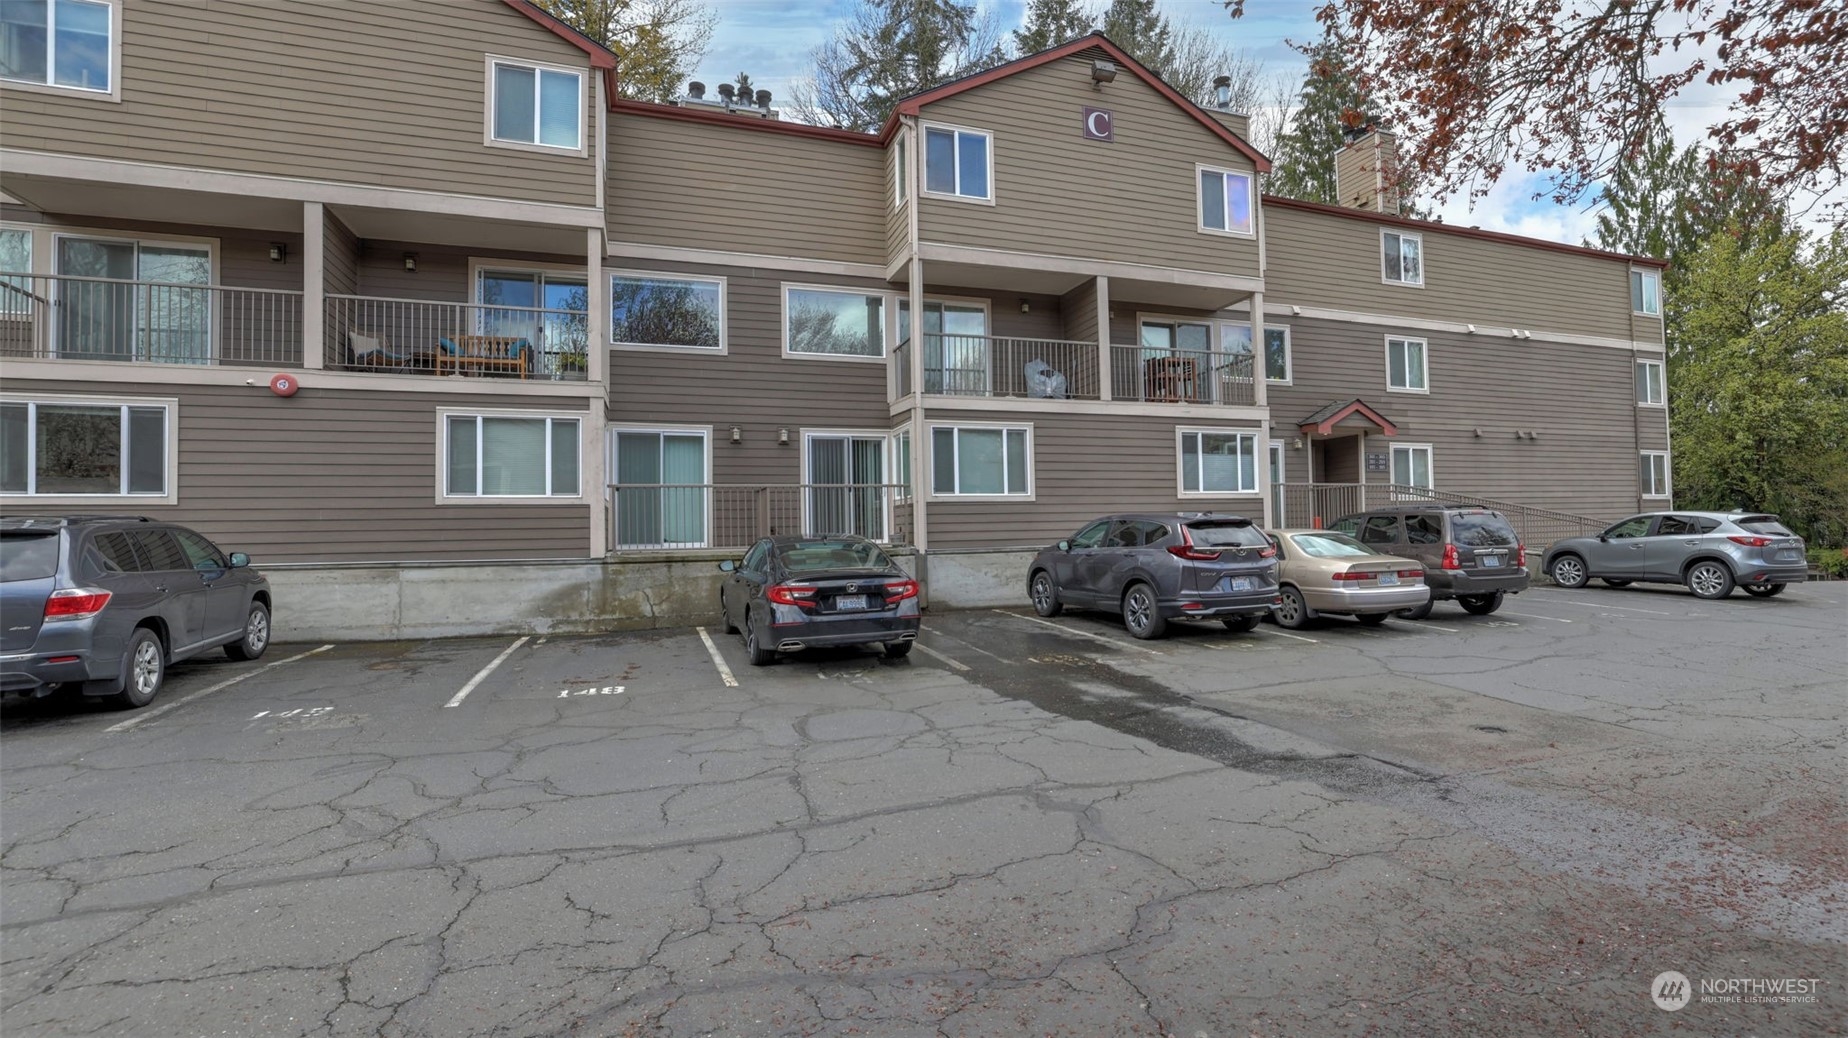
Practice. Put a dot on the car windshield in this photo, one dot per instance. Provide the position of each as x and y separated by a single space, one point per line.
1482 530
1329 545
28 556
1765 524
819 556
1227 535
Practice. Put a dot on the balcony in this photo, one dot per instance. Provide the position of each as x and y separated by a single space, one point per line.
418 337
995 366
678 516
155 322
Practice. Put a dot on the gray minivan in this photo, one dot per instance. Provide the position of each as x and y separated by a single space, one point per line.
1470 554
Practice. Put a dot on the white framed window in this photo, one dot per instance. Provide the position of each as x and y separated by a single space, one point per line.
1406 366
663 476
833 323
1646 292
901 463
510 455
1649 383
89 447
62 45
1401 258
667 311
1235 338
959 163
1411 465
901 170
981 461
1225 202
1653 473
535 106
1215 462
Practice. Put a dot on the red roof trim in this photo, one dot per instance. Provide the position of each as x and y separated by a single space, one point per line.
914 104
1465 232
600 56
1327 425
741 122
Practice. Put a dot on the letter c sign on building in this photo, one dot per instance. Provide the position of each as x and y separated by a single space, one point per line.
1098 125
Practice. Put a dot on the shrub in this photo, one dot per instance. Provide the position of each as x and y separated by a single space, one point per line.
1831 562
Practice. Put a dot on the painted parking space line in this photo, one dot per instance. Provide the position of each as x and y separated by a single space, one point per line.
1284 634
1536 616
1561 600
202 693
936 632
725 672
482 674
1106 639
939 657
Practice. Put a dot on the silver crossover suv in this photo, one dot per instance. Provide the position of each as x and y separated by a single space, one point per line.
1710 552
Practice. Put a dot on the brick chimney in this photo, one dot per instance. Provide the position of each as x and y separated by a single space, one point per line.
1365 169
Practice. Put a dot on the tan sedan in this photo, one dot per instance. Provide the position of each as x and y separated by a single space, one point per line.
1320 571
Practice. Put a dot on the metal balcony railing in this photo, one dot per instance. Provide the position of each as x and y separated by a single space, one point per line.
1181 376
657 516
420 337
155 322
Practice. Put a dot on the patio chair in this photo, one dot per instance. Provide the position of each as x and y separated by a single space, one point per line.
374 353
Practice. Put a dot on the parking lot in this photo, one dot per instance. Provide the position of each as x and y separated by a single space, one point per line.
1500 825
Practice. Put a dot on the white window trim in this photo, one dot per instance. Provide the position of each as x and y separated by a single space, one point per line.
724 346
1424 356
443 497
889 320
901 156
1258 356
113 95
172 406
582 148
706 433
1211 325
1251 203
930 461
1649 275
1430 462
1661 382
923 148
1415 236
1259 463
884 436
1668 488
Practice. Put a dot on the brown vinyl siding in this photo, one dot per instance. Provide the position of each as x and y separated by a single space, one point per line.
389 95
1083 466
442 270
898 217
242 256
1079 307
1322 260
738 189
340 248
333 476
1134 200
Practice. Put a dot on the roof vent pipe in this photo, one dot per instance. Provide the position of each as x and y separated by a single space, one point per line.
696 90
1222 91
763 100
727 92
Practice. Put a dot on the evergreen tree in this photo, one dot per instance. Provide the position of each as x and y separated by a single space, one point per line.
657 43
889 50
1050 23
1303 165
1142 31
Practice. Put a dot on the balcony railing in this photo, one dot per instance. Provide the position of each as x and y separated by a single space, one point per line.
1181 376
419 337
994 366
645 516
159 322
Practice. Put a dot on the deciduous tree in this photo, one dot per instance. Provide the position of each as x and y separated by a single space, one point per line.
657 43
890 49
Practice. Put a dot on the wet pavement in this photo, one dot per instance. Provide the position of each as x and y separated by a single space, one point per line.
1504 825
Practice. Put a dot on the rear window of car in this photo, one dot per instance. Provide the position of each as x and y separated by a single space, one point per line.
28 556
1482 530
1227 535
1329 545
1765 524
820 556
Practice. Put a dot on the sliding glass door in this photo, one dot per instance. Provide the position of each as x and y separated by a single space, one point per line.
661 496
550 310
846 492
149 308
956 358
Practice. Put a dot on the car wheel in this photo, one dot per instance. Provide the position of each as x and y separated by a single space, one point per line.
1763 590
897 650
1609 582
1709 579
1372 619
1140 613
1045 596
1569 571
1480 605
760 656
725 614
1292 612
256 634
1242 622
1417 612
144 668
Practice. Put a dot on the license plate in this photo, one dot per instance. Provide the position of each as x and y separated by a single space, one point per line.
1789 553
1241 583
1389 579
1489 561
850 602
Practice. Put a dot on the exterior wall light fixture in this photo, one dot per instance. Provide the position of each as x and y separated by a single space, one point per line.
737 435
1102 72
410 262
279 252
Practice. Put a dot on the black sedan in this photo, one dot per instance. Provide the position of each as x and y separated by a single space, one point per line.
793 593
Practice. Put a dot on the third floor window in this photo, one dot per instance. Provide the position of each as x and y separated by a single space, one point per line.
1225 201
958 163
1402 258
60 43
537 106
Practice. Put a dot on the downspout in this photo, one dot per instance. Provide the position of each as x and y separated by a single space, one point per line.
920 535
596 331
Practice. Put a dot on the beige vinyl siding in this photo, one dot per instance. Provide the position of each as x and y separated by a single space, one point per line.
242 256
1579 399
1083 466
442 270
898 217
334 476
340 247
740 189
1134 200
1079 307
392 95
1327 261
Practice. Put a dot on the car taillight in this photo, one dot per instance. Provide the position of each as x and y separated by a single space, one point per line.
1450 557
1267 552
1752 542
1409 573
790 595
1351 575
1520 554
76 603
1188 551
898 592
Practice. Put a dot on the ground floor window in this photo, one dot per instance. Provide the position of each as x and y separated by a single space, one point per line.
1411 465
1654 473
510 456
662 492
980 461
1214 462
56 448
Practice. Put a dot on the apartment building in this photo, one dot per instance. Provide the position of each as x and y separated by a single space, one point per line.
404 299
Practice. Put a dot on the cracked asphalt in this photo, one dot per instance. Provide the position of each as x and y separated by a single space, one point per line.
1503 825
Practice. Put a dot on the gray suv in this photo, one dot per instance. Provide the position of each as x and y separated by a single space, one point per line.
1470 554
102 604
1710 552
1153 567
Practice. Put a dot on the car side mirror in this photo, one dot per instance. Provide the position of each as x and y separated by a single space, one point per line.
1604 538
1065 546
727 566
239 560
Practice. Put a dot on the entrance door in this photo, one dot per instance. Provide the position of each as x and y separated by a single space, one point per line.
661 502
147 310
1277 489
846 492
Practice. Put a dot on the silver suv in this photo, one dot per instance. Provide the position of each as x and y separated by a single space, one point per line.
1710 552
1153 567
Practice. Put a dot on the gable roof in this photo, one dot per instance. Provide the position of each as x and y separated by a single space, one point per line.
914 104
1323 420
600 56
